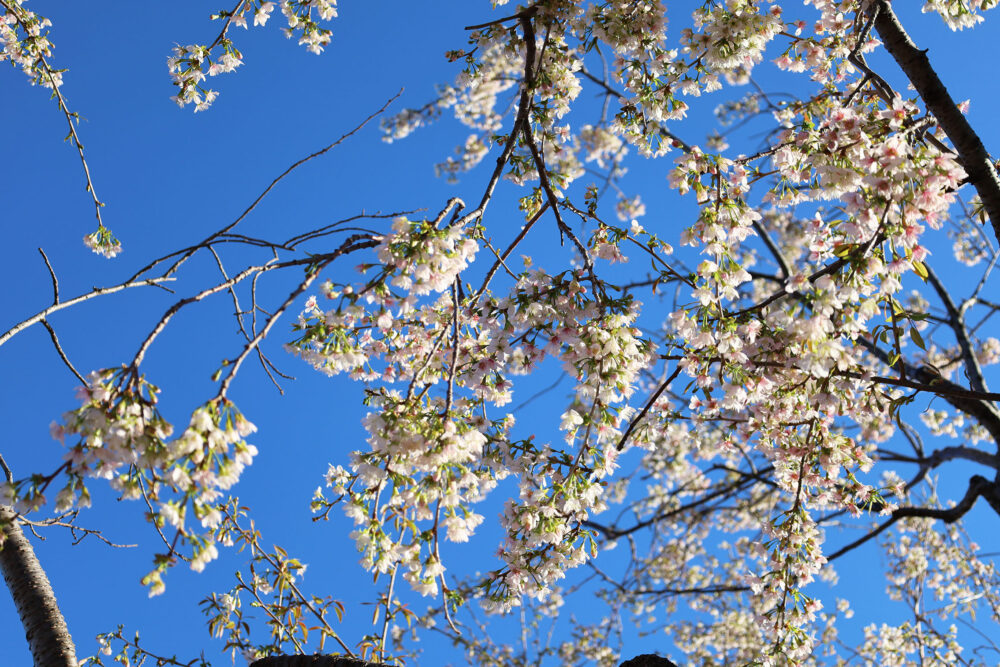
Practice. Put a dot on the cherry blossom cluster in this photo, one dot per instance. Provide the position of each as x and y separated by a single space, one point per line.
422 468
560 489
122 437
747 363
630 28
415 259
190 65
959 14
968 246
600 145
730 38
103 242
187 69
545 537
24 41
404 475
795 560
423 259
405 478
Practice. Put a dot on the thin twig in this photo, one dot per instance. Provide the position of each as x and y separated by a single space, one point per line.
646 408
214 236
52 275
62 354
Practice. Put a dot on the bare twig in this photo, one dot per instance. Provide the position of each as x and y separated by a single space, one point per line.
62 354
184 255
52 275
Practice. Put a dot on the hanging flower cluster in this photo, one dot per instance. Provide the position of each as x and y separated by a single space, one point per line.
103 242
959 14
122 437
24 41
191 64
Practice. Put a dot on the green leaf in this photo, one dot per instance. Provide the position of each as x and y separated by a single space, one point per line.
917 338
843 250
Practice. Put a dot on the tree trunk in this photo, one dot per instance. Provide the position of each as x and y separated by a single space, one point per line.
44 626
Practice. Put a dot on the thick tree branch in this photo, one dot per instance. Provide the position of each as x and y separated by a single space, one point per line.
521 120
946 454
917 67
978 486
313 661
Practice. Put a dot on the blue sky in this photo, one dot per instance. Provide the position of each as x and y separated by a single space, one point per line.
169 177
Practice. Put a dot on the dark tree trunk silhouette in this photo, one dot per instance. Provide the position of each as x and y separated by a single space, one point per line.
44 626
313 661
648 660
645 660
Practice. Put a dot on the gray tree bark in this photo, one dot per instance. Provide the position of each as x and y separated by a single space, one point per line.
44 626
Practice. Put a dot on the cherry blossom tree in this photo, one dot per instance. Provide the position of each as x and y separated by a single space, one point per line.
786 377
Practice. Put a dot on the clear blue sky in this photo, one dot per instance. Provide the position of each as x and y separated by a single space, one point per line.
169 177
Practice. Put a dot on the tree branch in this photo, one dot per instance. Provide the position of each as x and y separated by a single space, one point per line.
978 486
981 410
956 320
917 67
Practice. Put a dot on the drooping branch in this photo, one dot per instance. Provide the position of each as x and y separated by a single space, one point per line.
917 67
51 77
